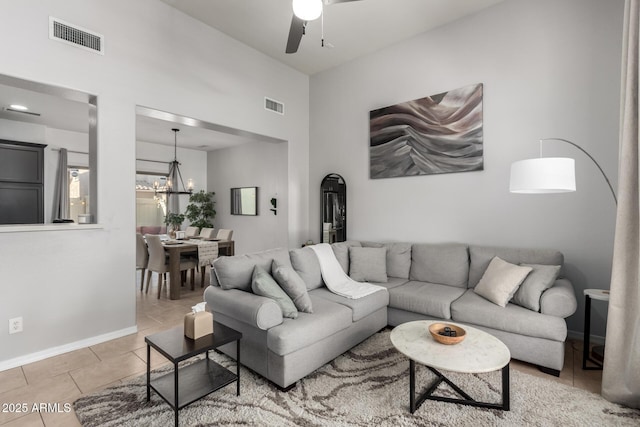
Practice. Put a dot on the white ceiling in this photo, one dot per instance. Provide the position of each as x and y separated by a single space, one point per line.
159 131
60 113
54 111
354 28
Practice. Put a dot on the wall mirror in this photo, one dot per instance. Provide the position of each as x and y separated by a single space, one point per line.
244 201
333 193
49 147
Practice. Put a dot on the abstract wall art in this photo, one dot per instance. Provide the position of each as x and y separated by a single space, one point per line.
437 134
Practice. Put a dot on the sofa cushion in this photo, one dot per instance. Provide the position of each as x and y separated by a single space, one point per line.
264 285
481 256
392 282
234 272
305 263
341 251
327 319
444 263
292 285
265 258
430 299
475 310
361 307
541 278
398 257
500 281
368 264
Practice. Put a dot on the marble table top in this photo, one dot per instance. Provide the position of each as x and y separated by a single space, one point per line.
478 352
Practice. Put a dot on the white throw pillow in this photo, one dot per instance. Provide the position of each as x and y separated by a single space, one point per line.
501 281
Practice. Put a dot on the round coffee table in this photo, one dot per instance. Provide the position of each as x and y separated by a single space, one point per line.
479 352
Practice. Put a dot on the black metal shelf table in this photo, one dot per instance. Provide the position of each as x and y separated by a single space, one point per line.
190 383
598 351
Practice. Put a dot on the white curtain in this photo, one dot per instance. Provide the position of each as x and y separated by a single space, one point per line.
621 375
61 208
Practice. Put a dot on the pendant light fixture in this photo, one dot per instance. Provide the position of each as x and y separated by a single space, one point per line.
172 187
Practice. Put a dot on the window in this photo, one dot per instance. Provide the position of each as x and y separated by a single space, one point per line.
151 208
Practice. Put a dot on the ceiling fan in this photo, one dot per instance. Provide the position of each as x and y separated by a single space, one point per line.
303 12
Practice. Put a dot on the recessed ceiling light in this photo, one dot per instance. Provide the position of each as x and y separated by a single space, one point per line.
18 107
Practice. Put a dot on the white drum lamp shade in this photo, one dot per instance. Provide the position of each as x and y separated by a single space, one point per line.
543 175
307 10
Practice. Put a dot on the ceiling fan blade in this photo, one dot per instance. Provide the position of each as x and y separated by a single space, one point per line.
295 34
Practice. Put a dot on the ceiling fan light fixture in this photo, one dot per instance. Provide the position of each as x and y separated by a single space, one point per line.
307 10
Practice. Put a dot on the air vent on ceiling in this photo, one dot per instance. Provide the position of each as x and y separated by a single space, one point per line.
75 35
273 105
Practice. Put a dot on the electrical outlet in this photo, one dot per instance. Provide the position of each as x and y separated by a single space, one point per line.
15 325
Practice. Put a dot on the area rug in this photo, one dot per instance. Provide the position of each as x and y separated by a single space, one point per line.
367 386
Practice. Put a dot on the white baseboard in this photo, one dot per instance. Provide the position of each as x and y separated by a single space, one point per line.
576 335
56 351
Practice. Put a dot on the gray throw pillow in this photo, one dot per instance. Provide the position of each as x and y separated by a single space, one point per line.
234 272
293 285
263 284
368 264
500 281
541 278
305 263
341 251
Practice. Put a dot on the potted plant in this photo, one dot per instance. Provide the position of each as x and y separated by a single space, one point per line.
173 221
200 211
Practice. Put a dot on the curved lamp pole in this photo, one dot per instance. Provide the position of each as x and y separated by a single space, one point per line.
549 174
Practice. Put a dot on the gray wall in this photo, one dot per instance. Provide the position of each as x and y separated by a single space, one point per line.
549 68
255 164
73 287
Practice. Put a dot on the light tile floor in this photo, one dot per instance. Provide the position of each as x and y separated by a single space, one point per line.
62 379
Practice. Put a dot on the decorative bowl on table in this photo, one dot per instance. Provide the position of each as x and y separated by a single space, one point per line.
446 333
195 237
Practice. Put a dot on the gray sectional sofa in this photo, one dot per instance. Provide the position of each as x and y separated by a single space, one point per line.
424 281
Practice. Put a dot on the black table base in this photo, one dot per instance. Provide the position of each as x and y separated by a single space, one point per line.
586 343
414 403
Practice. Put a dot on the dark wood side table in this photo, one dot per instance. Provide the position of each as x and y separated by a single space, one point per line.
598 351
198 379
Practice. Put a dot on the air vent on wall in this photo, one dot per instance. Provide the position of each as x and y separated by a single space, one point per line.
273 105
75 35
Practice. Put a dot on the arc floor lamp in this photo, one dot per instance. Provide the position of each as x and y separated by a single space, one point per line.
549 174
557 175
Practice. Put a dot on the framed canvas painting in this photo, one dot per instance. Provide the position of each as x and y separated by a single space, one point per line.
437 134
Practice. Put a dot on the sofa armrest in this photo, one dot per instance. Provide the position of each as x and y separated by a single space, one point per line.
559 300
254 310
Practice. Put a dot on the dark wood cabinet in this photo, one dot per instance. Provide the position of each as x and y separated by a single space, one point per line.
21 182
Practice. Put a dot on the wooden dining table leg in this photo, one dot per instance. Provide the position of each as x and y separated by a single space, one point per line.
174 274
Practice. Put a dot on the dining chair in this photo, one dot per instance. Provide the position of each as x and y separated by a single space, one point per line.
142 258
159 263
208 233
207 253
191 232
224 234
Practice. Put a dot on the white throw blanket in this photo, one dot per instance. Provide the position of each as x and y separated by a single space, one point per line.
336 279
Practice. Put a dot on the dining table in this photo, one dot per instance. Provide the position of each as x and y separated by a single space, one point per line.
176 248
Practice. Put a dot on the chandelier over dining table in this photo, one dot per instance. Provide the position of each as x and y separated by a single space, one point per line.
174 178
